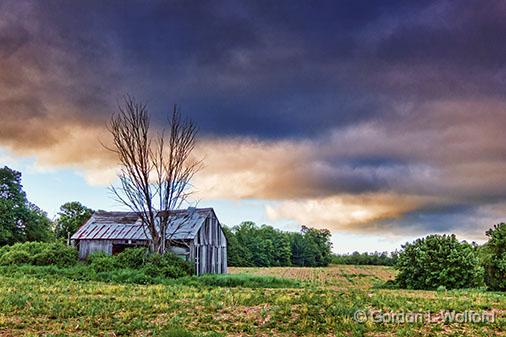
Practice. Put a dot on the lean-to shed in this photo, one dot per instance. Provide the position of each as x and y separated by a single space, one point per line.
194 234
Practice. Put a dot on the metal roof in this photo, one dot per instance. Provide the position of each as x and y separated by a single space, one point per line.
183 225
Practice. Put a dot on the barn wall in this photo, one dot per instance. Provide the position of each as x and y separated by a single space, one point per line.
86 247
210 248
182 252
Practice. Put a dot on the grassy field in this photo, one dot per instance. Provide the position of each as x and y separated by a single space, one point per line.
321 304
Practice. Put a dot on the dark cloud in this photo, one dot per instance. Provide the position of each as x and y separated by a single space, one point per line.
353 97
468 220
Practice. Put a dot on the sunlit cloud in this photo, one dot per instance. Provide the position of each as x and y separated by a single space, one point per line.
355 213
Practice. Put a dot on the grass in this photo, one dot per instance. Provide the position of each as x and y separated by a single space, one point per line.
82 272
238 280
249 302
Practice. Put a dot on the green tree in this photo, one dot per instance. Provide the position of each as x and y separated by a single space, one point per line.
259 252
20 220
494 257
318 245
266 246
37 226
237 254
300 251
280 254
70 217
374 259
439 260
12 205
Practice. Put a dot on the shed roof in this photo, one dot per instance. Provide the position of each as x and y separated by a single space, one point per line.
184 225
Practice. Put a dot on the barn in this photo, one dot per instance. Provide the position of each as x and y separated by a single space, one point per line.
195 235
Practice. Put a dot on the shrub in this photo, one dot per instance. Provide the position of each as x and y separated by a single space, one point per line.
167 266
101 262
15 257
38 253
439 260
55 253
138 260
133 257
494 258
135 265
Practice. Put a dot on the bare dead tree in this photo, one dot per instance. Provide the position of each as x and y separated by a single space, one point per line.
156 167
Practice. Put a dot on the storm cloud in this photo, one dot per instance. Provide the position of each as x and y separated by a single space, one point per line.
380 116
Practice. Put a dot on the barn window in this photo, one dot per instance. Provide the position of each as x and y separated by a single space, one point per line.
119 247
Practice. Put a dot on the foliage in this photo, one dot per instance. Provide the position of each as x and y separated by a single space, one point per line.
167 265
55 254
20 220
38 253
12 205
493 256
133 258
439 260
370 259
237 254
70 217
249 245
102 262
97 271
133 265
152 265
311 247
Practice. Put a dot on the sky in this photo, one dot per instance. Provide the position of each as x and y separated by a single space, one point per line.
382 121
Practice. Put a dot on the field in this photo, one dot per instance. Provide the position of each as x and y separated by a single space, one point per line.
336 277
321 304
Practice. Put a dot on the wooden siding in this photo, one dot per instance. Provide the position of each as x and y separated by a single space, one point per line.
209 249
86 247
182 252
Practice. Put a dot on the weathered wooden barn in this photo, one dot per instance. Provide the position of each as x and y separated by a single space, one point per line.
195 235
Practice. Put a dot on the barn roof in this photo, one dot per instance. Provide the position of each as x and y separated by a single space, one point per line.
184 225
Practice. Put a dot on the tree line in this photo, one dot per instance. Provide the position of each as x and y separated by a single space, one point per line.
371 259
249 245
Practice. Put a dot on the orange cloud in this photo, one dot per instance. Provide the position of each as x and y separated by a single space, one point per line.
358 213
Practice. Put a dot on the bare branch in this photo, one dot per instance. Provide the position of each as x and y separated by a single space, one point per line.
156 169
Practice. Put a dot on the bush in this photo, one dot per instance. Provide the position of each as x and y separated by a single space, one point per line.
101 262
439 260
135 265
133 257
38 253
167 266
56 253
15 257
139 259
494 258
